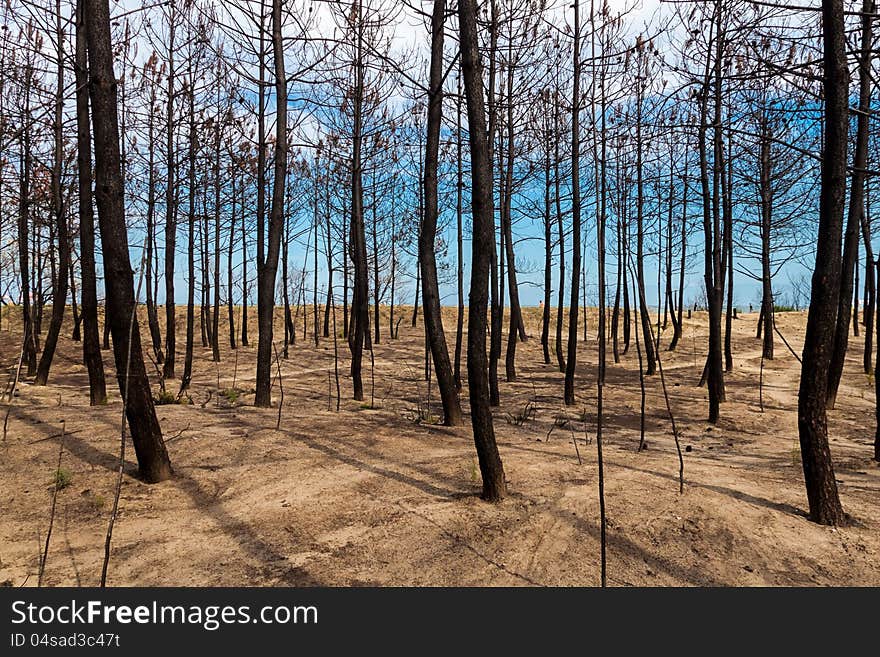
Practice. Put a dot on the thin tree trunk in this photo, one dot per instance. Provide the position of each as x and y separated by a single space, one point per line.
459 238
560 227
59 280
679 325
360 304
644 313
88 288
146 434
230 299
268 274
548 257
168 370
428 231
186 379
24 261
491 469
869 313
152 311
575 215
766 196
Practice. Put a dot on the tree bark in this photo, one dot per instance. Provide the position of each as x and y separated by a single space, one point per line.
575 214
856 208
766 197
146 434
88 286
428 231
168 368
491 468
59 280
152 312
269 270
825 507
360 303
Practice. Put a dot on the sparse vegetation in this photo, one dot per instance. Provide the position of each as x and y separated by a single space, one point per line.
62 478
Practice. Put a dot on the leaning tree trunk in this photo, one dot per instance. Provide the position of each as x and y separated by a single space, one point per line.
491 469
428 232
825 507
134 385
59 281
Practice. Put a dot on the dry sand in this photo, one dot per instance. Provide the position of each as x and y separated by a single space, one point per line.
373 497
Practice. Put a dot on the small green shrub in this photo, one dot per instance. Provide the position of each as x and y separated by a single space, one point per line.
231 394
165 397
62 478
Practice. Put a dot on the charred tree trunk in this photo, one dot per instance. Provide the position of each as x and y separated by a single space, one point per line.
548 255
168 369
496 295
186 379
516 329
679 326
644 313
269 270
856 208
459 240
59 280
146 434
428 231
870 292
360 303
29 344
571 362
76 334
825 507
230 299
491 469
152 311
560 228
766 198
876 379
714 370
88 287
215 315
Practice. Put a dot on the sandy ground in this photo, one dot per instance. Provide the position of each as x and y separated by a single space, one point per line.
372 496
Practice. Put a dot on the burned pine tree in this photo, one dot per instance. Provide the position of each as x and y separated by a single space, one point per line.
134 385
